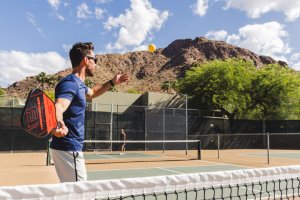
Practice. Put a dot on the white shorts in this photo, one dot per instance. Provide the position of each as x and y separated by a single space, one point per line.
69 165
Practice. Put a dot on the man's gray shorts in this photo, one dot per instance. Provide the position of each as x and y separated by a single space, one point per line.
69 165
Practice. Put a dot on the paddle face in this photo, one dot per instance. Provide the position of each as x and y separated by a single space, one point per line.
38 116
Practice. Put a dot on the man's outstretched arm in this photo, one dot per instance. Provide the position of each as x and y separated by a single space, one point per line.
100 89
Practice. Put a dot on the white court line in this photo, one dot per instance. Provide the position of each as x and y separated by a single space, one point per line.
206 161
222 163
101 155
164 169
147 168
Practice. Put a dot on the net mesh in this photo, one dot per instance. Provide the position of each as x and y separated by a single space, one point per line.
265 183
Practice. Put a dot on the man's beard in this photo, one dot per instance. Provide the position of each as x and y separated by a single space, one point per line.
89 72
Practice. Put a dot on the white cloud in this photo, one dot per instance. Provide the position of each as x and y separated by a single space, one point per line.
135 25
16 65
295 57
83 11
99 13
141 48
67 47
264 39
102 1
200 8
296 66
31 19
256 8
54 3
295 61
270 39
217 35
60 17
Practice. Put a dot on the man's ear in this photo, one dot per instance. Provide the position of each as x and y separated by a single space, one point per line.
84 60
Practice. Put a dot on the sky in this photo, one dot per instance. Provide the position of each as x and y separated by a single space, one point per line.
36 35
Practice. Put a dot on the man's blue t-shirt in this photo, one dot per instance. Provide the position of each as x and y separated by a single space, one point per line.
72 88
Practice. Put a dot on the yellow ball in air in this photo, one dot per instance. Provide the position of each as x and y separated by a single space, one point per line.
151 48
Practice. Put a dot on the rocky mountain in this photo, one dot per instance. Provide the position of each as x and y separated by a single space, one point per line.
149 70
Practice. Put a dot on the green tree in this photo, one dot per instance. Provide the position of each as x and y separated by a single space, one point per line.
42 79
51 80
218 84
50 94
133 91
166 86
275 93
2 91
175 86
88 82
113 89
240 90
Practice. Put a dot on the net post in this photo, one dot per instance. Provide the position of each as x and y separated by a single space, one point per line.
199 149
186 147
48 159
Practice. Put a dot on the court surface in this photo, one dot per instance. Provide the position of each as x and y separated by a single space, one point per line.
30 168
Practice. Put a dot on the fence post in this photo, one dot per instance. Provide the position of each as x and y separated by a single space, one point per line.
268 147
218 146
146 125
111 125
164 137
186 124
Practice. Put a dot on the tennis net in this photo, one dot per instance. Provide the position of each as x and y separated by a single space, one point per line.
141 150
265 183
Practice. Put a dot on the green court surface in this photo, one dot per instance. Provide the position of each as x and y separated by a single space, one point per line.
145 171
157 171
96 156
275 155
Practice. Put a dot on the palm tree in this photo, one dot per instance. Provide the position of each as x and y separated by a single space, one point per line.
51 80
42 79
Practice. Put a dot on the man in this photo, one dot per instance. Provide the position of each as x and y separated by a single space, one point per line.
70 103
123 137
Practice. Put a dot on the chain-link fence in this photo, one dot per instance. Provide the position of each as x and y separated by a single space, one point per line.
12 136
251 148
104 122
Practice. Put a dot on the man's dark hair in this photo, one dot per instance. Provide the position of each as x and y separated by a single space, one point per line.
79 51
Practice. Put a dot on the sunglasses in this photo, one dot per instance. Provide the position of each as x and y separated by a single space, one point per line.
93 58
